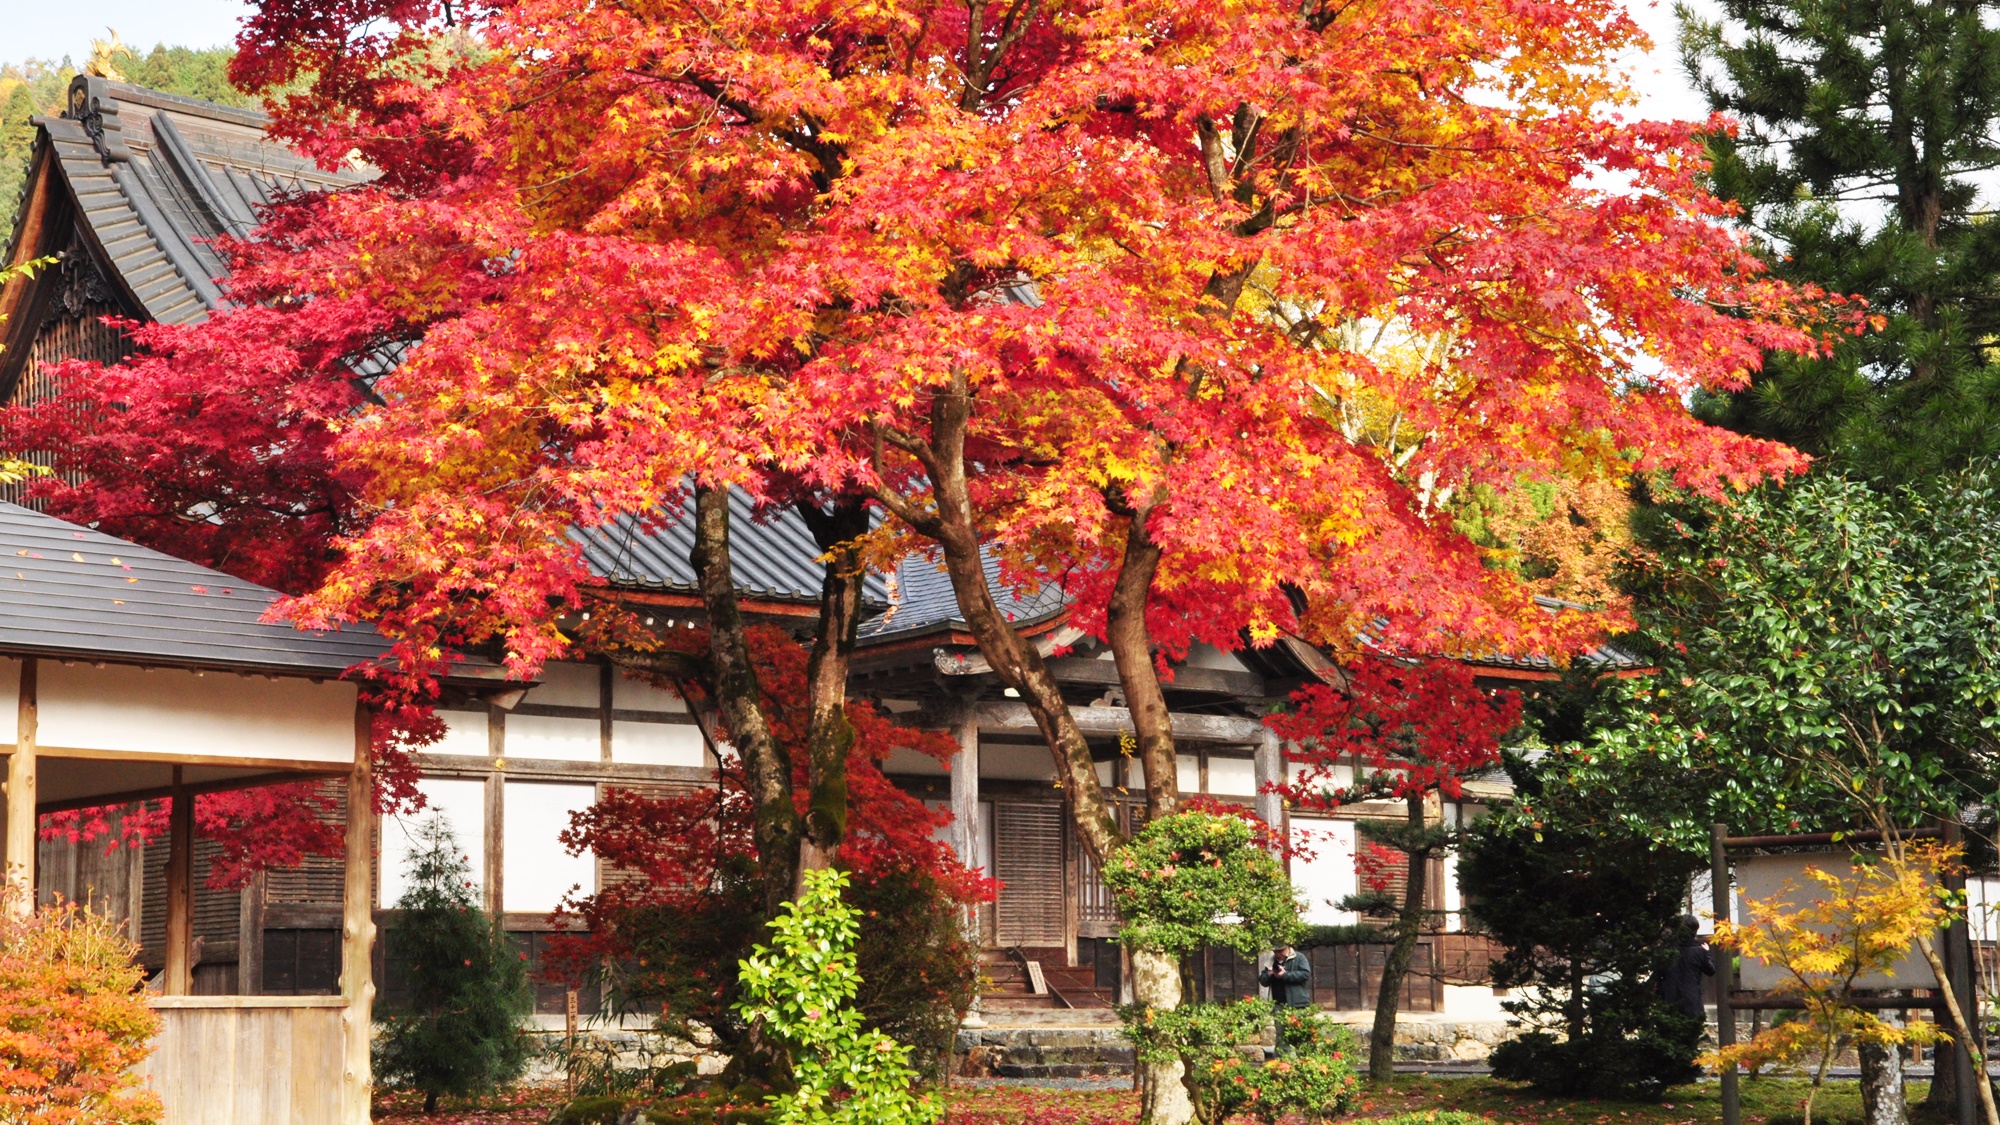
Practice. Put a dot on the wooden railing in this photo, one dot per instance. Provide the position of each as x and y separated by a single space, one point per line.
248 1060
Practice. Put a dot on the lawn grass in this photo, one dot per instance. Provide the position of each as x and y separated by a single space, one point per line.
1766 1101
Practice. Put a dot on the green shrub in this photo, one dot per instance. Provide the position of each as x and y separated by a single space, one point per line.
1316 1082
801 992
1200 878
460 1031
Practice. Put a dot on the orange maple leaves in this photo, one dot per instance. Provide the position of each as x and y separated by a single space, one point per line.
761 243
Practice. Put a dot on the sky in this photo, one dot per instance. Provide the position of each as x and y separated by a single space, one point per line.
38 29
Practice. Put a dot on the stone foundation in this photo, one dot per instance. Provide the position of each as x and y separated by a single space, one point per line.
1099 1049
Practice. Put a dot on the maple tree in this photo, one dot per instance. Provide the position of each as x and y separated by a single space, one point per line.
1824 937
77 1025
1406 730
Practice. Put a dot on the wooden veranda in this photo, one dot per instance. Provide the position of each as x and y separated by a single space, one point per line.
134 676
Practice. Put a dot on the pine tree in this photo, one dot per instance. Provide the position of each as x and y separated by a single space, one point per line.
460 1030
1865 130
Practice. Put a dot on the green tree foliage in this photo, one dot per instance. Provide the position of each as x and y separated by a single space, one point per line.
1865 129
1827 653
1200 878
1316 1081
460 1031
1582 904
800 990
38 86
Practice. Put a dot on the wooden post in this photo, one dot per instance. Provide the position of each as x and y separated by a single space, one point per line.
357 931
1269 767
19 888
180 892
569 1042
965 835
1725 974
965 788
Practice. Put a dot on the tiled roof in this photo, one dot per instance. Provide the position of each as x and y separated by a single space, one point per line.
158 177
773 557
69 591
923 601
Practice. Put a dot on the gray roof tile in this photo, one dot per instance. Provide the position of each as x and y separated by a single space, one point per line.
69 591
773 557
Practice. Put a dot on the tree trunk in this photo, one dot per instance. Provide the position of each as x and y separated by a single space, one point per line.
766 770
1961 1031
1409 923
1139 677
1882 1085
829 734
1020 666
1156 983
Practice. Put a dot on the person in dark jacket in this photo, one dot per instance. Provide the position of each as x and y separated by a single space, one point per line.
1290 980
1681 981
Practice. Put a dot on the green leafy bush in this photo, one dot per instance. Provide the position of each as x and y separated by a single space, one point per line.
1200 878
801 992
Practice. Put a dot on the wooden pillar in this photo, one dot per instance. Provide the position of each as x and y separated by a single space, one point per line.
180 892
357 931
1269 764
965 787
19 886
1725 974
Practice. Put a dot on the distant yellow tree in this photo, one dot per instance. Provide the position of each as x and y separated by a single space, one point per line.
1852 928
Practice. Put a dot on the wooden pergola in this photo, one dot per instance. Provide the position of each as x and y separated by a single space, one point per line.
136 676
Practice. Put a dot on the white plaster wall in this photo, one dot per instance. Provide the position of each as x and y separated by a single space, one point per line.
657 744
462 803
552 737
464 733
169 711
628 694
1471 1002
538 871
566 684
1232 777
1327 875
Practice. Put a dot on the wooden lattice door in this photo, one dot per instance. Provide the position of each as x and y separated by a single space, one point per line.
1028 861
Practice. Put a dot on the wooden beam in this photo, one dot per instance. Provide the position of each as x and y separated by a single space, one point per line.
18 889
357 931
228 784
1014 718
1223 681
1269 768
180 893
